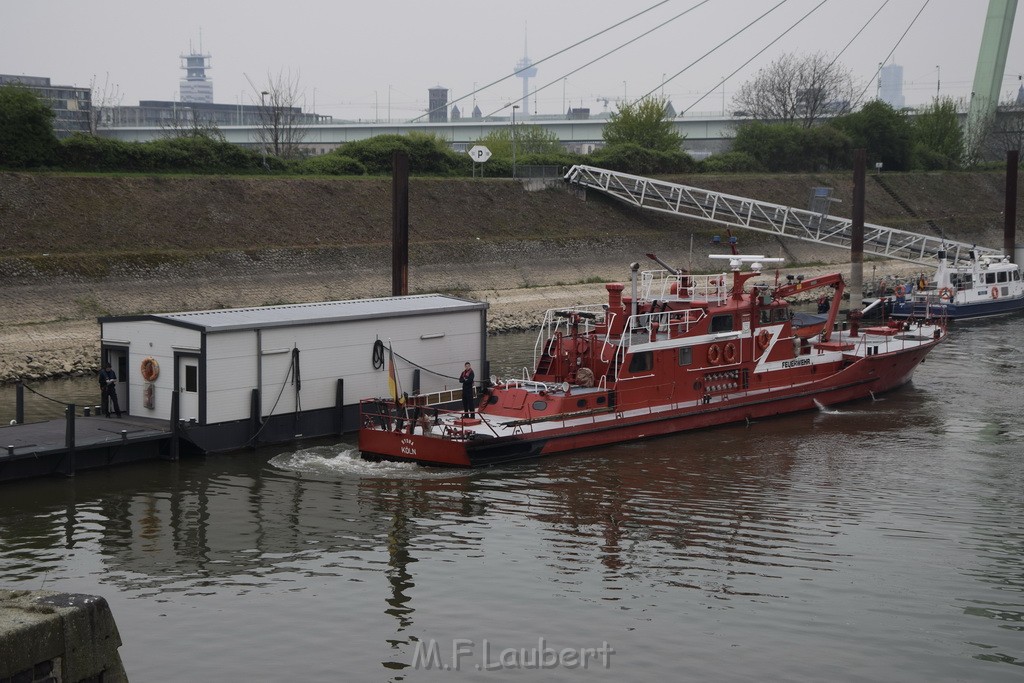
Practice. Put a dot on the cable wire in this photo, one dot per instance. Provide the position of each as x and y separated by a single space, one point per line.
756 55
912 22
551 56
612 51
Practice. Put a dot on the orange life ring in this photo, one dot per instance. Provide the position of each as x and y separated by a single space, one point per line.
763 337
715 354
995 292
946 294
150 369
900 290
730 353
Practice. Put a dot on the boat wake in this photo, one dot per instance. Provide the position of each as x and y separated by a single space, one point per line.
824 409
334 461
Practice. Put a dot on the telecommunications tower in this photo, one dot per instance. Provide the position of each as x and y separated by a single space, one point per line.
525 70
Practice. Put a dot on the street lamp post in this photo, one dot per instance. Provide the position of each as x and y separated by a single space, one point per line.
514 107
263 137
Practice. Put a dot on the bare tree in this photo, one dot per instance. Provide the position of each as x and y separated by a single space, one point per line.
281 127
105 100
1005 130
798 89
187 123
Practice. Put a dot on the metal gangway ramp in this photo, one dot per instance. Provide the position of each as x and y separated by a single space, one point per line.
752 214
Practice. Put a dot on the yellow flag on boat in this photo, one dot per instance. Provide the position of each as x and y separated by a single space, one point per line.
392 379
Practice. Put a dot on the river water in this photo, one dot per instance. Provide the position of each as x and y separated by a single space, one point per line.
883 540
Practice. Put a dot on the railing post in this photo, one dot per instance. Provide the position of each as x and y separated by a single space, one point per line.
19 402
69 439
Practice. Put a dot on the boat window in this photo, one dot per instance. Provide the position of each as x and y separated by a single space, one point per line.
766 316
540 405
642 362
582 403
685 355
600 400
780 315
492 399
1001 276
1016 275
990 278
721 323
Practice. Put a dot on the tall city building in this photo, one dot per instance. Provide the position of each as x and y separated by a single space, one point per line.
71 104
195 87
438 104
890 85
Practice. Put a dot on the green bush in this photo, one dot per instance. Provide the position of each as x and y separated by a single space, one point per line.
191 154
428 154
632 158
330 164
731 162
930 160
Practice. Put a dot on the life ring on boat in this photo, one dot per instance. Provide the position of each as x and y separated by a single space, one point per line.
900 290
150 369
946 294
763 337
729 354
715 354
995 292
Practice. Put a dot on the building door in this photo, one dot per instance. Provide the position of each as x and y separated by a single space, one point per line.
118 358
186 379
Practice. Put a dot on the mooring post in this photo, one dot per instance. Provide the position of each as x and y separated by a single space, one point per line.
399 223
69 439
175 428
1010 208
19 402
339 406
254 418
857 229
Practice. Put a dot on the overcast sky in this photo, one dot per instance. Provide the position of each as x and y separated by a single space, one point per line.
368 59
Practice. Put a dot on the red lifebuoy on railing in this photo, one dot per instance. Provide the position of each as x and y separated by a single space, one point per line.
150 369
714 354
730 353
995 292
900 290
763 337
946 294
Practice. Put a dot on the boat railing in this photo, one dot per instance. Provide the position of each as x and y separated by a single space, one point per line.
662 285
586 318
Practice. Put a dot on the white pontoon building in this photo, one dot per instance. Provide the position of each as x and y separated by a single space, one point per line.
238 377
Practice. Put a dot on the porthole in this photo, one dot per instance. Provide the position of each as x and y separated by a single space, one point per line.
540 405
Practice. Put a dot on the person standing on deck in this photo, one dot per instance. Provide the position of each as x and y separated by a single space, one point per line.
468 404
108 390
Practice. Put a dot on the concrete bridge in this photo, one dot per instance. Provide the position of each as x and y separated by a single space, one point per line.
704 134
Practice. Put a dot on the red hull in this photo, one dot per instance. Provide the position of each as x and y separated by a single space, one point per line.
864 378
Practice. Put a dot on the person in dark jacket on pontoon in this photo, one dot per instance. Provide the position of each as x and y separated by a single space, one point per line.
108 390
468 404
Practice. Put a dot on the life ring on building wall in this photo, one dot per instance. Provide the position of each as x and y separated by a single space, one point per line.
715 354
730 353
995 292
763 337
946 294
150 369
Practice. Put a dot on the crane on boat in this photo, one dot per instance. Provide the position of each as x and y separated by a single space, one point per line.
776 219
